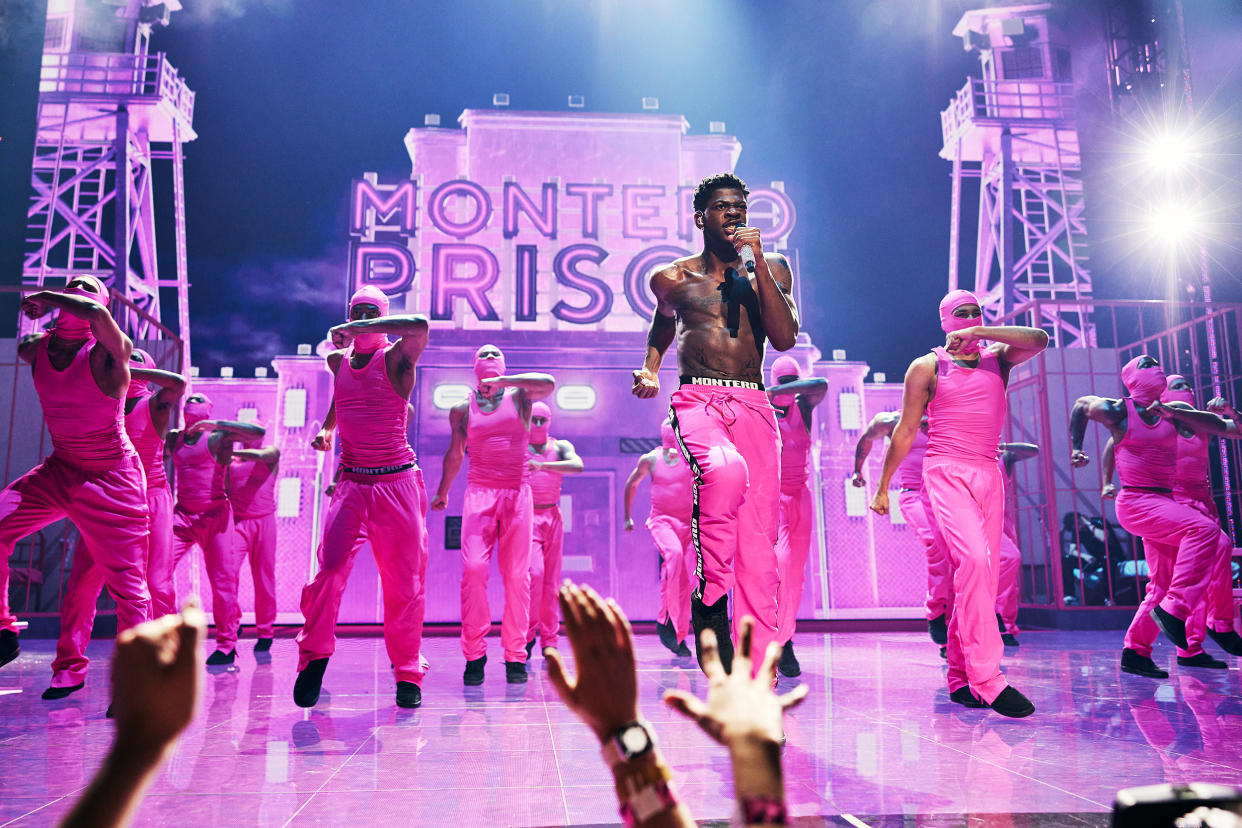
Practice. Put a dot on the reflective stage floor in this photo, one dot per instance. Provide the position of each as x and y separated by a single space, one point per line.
877 740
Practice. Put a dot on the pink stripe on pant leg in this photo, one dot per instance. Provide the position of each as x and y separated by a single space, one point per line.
672 538
793 548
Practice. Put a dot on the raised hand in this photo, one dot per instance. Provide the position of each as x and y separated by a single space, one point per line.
646 384
34 307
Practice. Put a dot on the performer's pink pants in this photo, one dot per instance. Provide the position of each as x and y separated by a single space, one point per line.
109 508
730 439
87 578
257 538
212 531
793 547
1009 568
547 540
672 540
916 509
968 505
1216 608
1180 544
391 513
499 518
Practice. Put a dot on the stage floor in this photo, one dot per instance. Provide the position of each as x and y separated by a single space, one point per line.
877 740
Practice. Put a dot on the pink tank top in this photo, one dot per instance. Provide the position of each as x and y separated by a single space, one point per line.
1193 478
795 449
200 479
148 443
252 489
967 414
672 488
1146 455
371 416
87 426
497 443
545 486
910 472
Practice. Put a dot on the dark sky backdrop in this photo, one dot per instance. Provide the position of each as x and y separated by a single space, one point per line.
838 98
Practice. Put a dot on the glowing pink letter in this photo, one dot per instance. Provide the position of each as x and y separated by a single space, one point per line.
446 285
633 211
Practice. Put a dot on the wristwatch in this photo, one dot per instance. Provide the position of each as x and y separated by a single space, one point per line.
631 741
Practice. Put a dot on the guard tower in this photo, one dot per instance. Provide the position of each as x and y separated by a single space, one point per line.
108 111
1014 129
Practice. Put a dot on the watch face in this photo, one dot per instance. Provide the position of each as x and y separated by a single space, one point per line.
634 740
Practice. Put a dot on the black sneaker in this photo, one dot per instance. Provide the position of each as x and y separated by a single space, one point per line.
788 665
683 651
310 680
409 694
474 672
1000 623
1202 660
1229 641
54 693
944 653
515 672
668 636
262 645
220 657
1170 625
108 713
530 646
938 629
1009 639
966 697
1013 704
715 618
9 648
1140 665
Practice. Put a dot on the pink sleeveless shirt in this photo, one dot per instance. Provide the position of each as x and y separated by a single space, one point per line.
87 426
371 416
200 479
497 443
252 489
795 449
672 488
910 472
545 486
1146 455
148 443
967 414
1193 479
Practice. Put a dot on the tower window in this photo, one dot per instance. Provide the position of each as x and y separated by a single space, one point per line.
1022 62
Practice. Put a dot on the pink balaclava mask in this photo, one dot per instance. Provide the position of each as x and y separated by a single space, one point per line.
950 323
784 366
1185 395
668 437
490 368
1144 384
69 326
369 295
195 411
539 433
139 359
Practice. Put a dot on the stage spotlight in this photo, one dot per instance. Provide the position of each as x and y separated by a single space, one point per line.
575 398
1171 152
577 101
226 372
1173 223
651 103
716 127
431 119
500 99
449 394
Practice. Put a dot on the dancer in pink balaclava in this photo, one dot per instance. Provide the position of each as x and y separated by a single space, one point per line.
1179 541
93 476
795 400
252 494
668 522
549 461
493 427
961 388
380 496
147 417
204 516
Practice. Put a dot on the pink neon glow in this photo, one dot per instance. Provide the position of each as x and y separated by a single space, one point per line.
774 201
396 204
542 217
637 211
387 265
447 285
591 195
438 208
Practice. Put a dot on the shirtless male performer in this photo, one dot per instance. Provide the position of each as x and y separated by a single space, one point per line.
380 497
549 461
252 493
795 399
204 516
1179 541
961 389
493 427
93 476
722 315
669 525
147 418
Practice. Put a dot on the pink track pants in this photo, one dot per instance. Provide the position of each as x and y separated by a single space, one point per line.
87 578
390 512
1009 568
212 531
916 509
793 547
672 539
1216 608
109 508
547 542
1180 544
730 438
257 538
500 518
968 504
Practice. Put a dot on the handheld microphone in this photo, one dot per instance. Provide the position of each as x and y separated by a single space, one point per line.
748 255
